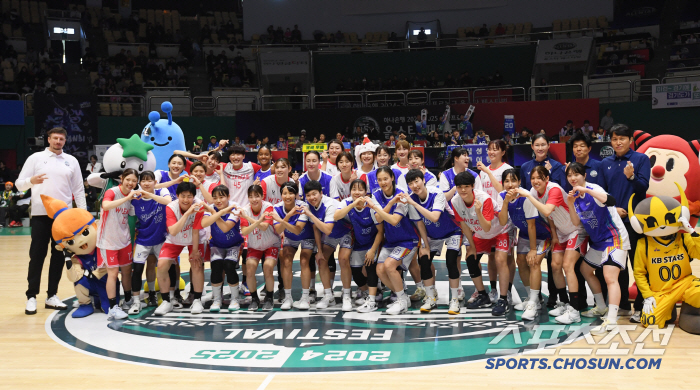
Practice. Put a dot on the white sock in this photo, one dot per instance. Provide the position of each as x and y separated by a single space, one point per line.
328 292
454 291
216 292
430 291
600 301
534 295
305 293
234 291
172 294
347 292
400 294
136 299
420 284
527 291
612 313
288 292
152 286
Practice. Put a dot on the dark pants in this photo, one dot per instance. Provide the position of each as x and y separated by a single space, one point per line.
16 213
582 293
41 237
3 213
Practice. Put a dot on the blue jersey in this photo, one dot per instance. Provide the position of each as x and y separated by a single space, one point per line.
260 175
325 212
325 181
232 238
372 179
306 233
520 211
447 180
150 226
89 261
602 223
364 226
403 234
435 201
478 140
164 178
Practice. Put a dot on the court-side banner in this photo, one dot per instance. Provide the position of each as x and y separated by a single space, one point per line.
675 95
284 63
563 50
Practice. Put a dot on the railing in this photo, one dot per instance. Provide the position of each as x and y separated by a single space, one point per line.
556 92
417 98
450 96
340 100
182 105
284 102
9 96
643 87
499 94
29 104
385 99
607 94
228 105
680 78
631 72
121 105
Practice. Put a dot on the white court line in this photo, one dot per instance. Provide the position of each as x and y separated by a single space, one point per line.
266 382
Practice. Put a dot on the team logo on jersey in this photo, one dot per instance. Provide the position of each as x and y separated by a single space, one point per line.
308 341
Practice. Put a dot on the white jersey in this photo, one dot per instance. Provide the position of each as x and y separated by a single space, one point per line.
403 169
213 178
554 195
447 179
488 186
430 181
173 213
272 190
206 186
331 168
468 214
340 189
238 181
113 231
259 239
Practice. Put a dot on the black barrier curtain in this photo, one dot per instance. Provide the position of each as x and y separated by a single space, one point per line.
75 113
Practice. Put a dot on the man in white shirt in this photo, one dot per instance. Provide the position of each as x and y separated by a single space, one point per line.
56 174
93 166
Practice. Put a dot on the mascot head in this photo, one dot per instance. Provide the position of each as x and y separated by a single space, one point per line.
673 160
129 153
164 134
73 229
365 146
659 216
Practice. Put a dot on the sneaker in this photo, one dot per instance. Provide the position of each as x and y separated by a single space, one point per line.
472 298
460 294
530 312
520 306
55 303
418 295
408 301
280 295
558 310
176 302
287 303
493 295
551 301
429 305
164 308
254 305
31 306
116 313
325 302
361 297
510 298
243 289
187 302
268 304
135 308
152 299
215 306
18 224
312 295
605 327
397 308
304 304
595 312
454 306
126 305
636 317
347 303
196 307
481 301
570 316
379 297
623 312
392 297
367 307
501 308
234 305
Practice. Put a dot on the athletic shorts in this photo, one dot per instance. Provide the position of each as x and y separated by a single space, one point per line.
344 241
171 251
610 256
465 242
141 252
305 244
269 253
571 242
357 258
501 243
399 253
543 246
225 253
113 258
453 242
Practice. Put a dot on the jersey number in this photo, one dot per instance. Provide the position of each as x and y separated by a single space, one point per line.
665 273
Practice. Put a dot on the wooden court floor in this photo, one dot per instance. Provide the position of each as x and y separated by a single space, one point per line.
30 359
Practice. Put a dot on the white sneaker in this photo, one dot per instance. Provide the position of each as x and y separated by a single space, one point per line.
367 307
460 294
570 316
287 303
530 312
164 308
215 306
325 302
361 298
31 306
636 318
303 303
472 298
54 303
454 306
196 307
595 312
116 313
429 305
407 299
135 308
605 327
520 306
558 310
399 307
347 303
623 312
493 295
419 294
126 305
234 305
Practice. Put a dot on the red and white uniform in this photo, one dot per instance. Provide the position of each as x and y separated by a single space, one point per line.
175 243
340 189
570 236
207 186
260 241
113 235
498 236
272 190
404 169
214 178
238 181
488 186
331 168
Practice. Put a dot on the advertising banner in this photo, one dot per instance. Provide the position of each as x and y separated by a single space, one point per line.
675 95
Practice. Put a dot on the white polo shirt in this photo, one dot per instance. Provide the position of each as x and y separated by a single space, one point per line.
64 179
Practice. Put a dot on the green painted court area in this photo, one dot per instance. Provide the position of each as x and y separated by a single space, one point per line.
22 231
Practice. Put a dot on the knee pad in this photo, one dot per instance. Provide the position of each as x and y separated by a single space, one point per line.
372 278
357 275
426 271
231 274
244 255
473 266
217 269
172 273
312 263
452 263
136 273
332 263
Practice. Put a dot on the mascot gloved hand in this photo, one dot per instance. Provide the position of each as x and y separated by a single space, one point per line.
75 233
662 261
